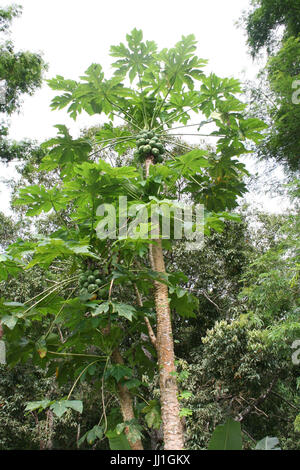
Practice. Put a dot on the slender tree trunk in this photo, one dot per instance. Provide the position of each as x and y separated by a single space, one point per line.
49 430
125 397
172 426
2 347
126 404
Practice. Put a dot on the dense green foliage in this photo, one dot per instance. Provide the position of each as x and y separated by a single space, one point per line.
281 78
20 74
262 22
248 319
236 361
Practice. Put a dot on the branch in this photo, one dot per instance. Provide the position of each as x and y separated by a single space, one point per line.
209 299
249 435
284 399
125 112
146 319
261 398
110 289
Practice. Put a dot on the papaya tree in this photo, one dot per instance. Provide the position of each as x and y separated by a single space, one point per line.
116 290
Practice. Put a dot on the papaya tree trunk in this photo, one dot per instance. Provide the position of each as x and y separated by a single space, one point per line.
126 402
172 426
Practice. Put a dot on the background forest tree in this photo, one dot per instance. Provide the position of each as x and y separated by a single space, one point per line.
274 27
20 74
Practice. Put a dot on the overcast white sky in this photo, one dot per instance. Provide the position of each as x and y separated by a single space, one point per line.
73 34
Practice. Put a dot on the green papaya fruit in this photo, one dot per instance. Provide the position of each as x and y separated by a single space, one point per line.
92 288
143 149
140 142
155 145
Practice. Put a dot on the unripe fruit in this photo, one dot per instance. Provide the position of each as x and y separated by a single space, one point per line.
92 287
141 142
143 149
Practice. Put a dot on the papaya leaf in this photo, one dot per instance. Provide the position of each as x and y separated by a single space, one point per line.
119 372
37 405
124 310
153 414
117 441
10 321
95 433
60 407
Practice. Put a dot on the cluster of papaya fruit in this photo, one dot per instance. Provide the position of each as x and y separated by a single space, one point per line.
149 144
89 281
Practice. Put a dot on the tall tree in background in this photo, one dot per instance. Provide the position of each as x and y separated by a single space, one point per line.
20 74
263 21
274 26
